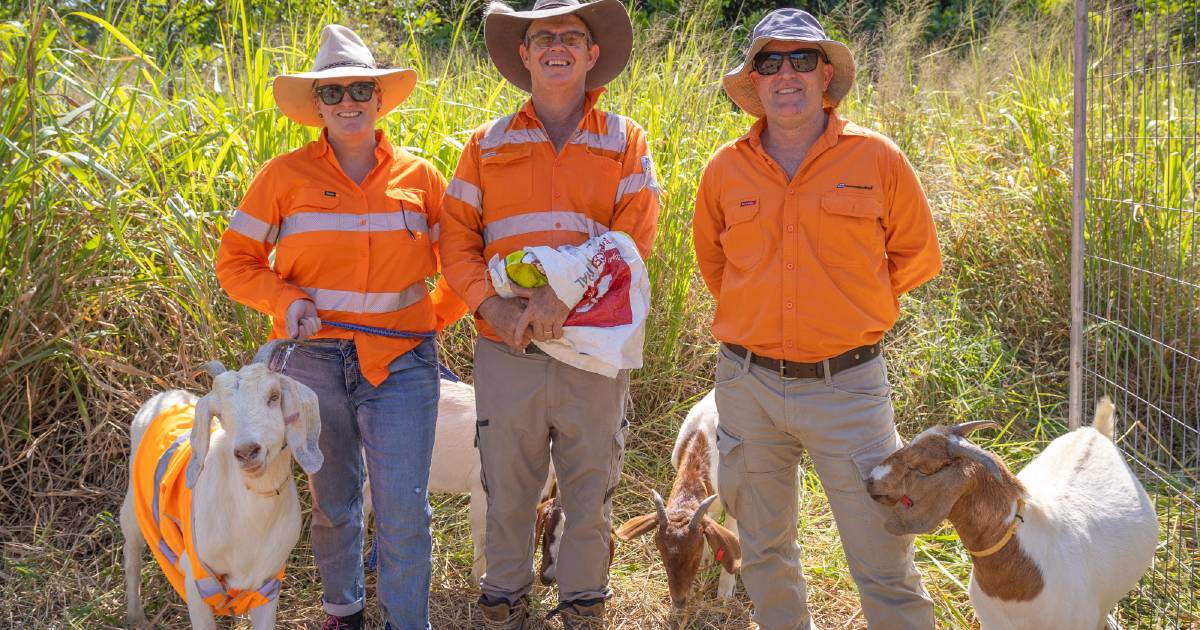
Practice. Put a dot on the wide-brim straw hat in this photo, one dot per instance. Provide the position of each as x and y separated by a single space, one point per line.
342 54
504 31
789 25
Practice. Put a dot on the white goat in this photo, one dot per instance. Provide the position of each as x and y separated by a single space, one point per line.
1055 547
682 525
244 517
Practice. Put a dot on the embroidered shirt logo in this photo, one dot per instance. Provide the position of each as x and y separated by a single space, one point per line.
330 193
748 202
859 187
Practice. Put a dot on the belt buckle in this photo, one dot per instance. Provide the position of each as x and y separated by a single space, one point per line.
783 371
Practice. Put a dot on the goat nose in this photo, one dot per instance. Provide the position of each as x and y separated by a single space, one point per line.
247 453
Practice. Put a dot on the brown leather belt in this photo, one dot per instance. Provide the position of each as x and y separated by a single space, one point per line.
796 369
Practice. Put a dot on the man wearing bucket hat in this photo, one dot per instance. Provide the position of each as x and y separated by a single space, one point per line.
807 231
556 172
354 226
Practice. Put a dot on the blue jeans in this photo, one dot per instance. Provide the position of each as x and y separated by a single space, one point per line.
393 424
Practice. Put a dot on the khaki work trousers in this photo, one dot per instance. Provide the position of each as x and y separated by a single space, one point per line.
532 408
846 424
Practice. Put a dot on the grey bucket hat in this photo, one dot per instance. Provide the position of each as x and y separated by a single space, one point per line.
789 25
504 31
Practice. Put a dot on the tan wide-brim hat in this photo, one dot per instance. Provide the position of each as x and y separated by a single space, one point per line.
504 32
789 25
342 54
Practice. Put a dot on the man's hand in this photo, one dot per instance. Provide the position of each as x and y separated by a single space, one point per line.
502 315
301 320
544 314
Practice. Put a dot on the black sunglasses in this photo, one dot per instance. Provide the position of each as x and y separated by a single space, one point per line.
361 92
803 60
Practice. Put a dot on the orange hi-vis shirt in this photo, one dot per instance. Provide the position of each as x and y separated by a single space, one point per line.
361 253
807 269
162 503
511 190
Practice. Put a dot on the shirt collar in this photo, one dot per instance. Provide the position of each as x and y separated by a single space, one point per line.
590 98
835 128
383 148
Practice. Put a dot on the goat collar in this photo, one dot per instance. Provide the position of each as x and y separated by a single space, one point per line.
270 493
1008 534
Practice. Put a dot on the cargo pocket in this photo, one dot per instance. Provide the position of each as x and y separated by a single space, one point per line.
616 459
864 460
479 426
729 469
851 234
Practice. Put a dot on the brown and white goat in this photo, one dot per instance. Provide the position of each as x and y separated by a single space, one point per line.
1054 547
681 525
551 522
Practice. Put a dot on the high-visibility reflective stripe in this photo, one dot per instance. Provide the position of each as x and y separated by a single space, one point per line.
252 228
465 192
208 587
614 140
160 469
269 589
435 233
542 222
634 183
361 302
167 552
303 222
499 134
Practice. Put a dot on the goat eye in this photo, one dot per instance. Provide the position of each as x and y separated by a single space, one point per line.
274 397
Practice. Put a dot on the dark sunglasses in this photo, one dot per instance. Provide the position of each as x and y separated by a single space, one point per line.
361 92
803 60
570 39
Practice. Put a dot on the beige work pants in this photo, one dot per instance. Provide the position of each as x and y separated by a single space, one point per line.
524 402
846 424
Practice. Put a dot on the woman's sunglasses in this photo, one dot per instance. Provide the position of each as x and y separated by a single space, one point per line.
803 60
361 92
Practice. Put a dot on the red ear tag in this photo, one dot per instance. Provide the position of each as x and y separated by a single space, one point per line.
720 554
905 501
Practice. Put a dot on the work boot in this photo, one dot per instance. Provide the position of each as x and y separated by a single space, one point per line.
500 615
584 614
349 622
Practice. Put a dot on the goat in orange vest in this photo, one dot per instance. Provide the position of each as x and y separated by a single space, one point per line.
218 505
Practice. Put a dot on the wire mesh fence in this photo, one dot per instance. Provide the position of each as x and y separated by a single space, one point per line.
1139 315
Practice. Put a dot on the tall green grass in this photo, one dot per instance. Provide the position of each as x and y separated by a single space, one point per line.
123 161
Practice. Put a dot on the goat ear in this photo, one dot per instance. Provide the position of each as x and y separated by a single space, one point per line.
206 408
721 539
540 526
302 418
637 526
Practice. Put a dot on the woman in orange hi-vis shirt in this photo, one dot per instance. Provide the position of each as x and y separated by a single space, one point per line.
354 226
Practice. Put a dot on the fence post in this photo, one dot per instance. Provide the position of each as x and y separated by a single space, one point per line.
1078 188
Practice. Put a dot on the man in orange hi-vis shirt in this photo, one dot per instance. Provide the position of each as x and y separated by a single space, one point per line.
354 226
556 172
808 229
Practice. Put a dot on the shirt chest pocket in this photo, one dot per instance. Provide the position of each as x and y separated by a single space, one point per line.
851 234
405 221
743 239
507 177
596 189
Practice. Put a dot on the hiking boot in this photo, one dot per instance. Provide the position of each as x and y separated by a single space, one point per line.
501 615
349 622
584 614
